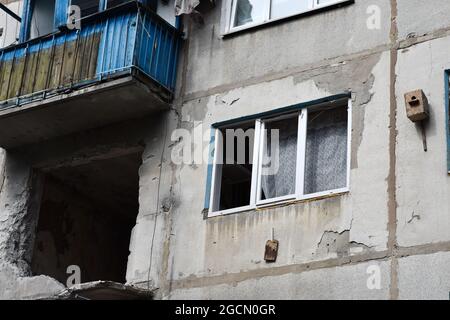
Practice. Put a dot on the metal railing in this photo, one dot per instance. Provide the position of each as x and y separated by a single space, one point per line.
109 44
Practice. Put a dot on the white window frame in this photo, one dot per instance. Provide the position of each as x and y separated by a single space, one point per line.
255 192
312 5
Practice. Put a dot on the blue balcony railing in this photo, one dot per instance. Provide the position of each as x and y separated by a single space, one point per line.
128 39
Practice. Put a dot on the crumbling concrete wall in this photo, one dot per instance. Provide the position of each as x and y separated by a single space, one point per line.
75 230
221 80
18 216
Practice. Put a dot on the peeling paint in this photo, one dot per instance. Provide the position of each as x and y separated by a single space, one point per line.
339 243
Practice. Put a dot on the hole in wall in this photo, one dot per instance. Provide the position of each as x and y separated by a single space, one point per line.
86 216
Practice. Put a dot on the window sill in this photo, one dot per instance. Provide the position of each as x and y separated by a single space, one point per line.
282 203
255 26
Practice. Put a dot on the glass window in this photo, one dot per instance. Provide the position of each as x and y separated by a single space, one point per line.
284 8
279 158
234 167
42 19
326 150
114 3
87 7
287 157
251 12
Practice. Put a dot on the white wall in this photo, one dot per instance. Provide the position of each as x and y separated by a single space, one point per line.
11 27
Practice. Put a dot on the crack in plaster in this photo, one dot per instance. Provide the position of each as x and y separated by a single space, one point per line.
339 243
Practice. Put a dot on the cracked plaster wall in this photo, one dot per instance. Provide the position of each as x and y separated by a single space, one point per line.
229 250
423 186
233 244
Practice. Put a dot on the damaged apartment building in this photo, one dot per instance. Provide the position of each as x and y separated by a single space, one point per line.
97 98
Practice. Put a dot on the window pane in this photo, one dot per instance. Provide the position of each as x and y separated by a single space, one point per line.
42 19
322 2
326 150
236 167
284 8
249 11
87 6
114 3
279 158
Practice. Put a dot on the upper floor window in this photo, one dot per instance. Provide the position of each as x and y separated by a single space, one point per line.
42 18
114 3
285 157
87 7
247 13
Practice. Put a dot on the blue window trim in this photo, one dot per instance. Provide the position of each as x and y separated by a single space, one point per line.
25 26
262 115
61 7
447 114
102 5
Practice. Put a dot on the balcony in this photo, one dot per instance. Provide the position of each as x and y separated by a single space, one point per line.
120 65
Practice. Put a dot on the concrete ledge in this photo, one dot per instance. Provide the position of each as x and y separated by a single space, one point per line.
92 107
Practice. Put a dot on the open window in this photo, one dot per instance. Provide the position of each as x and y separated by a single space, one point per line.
42 20
234 167
291 156
43 14
87 7
114 3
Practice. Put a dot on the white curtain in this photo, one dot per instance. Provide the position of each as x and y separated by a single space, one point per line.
326 151
280 179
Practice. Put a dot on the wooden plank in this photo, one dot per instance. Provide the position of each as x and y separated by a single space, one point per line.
42 70
68 65
7 68
95 39
16 77
55 72
29 73
81 51
85 59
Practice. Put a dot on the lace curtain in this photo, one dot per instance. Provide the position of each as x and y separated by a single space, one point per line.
279 160
326 151
325 158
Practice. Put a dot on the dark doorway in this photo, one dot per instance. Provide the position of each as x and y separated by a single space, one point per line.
86 216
